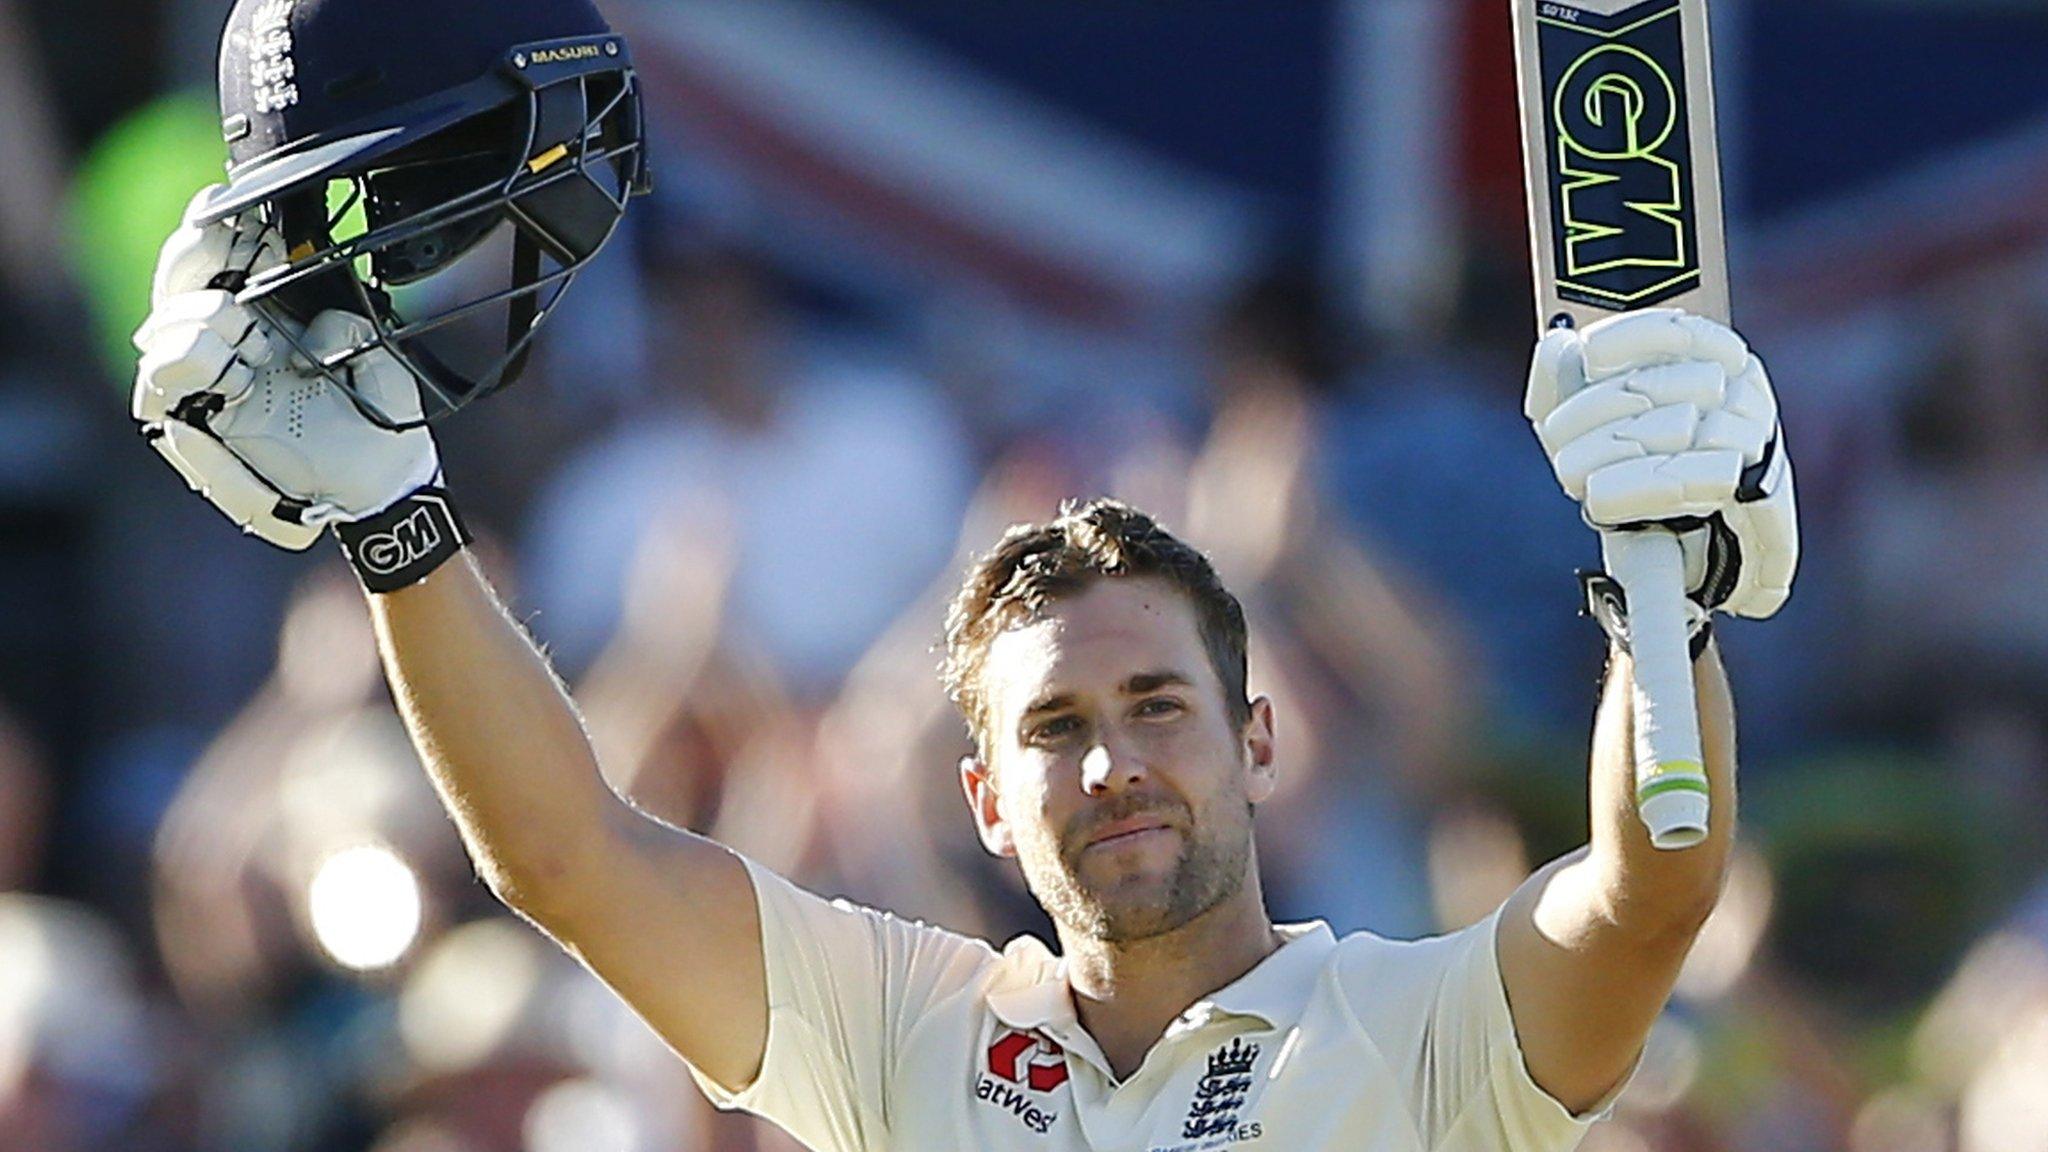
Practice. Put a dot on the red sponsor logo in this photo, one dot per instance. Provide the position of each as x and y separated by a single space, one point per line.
1029 1059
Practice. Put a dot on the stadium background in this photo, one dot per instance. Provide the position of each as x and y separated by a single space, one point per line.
915 271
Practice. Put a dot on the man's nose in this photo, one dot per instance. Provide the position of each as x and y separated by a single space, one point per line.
1110 766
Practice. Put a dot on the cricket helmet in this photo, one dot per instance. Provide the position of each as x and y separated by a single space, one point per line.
406 151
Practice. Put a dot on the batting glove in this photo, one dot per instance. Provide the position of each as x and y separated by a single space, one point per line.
1660 418
254 426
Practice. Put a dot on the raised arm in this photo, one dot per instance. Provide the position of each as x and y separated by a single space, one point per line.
231 399
1590 946
664 916
1653 417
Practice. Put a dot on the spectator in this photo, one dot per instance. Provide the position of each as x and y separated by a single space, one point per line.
841 477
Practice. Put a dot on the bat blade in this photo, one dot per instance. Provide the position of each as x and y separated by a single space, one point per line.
1620 157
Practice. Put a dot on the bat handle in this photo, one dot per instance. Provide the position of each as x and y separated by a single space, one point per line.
1671 779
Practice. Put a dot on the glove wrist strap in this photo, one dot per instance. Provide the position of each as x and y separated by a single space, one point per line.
1607 604
399 546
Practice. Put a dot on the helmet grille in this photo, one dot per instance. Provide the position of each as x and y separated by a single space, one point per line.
434 172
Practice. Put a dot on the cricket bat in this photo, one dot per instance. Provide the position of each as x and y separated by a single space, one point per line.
1625 212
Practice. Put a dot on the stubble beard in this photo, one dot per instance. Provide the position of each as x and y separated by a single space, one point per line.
1209 870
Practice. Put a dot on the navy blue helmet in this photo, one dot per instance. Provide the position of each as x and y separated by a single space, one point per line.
388 141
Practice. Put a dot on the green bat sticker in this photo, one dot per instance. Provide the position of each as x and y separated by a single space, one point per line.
1621 203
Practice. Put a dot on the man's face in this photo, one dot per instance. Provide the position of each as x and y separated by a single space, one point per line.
1115 774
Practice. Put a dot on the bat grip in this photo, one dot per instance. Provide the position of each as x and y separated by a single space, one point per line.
1671 780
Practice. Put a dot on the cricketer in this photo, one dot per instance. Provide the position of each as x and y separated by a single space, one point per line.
1098 662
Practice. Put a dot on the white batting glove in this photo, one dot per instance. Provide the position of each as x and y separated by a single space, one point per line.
1660 417
246 420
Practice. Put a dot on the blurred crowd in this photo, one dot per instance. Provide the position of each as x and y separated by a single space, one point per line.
232 915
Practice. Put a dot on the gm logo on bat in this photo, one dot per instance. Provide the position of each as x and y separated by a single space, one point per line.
1621 201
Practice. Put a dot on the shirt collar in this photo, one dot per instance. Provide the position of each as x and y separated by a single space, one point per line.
1033 993
1278 987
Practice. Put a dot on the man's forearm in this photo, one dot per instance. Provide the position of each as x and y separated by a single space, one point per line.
495 730
634 899
1646 889
1591 945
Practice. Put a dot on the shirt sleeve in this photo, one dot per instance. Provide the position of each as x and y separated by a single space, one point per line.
845 985
1438 1011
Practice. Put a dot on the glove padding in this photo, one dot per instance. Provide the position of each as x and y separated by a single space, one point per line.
1660 417
247 419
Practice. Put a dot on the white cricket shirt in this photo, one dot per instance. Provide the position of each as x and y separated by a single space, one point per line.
889 1035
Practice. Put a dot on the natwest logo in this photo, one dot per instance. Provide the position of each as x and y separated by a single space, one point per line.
1045 1068
1022 1068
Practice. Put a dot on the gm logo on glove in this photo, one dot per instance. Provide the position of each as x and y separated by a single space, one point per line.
409 541
403 543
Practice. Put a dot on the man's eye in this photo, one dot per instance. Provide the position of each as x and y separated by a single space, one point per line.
1160 706
1055 729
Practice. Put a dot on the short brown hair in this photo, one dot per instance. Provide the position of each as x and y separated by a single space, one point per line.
1036 564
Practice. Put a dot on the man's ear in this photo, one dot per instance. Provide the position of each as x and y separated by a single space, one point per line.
1258 746
978 784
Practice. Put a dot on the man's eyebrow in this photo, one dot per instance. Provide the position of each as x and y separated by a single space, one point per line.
1143 682
1137 684
1046 704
